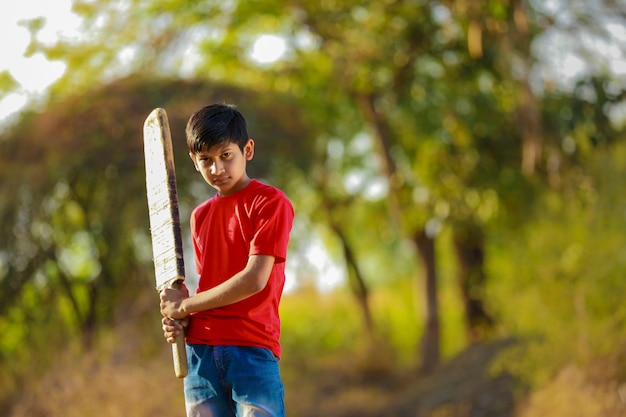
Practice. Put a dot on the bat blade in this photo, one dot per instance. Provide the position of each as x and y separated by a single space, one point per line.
163 201
167 247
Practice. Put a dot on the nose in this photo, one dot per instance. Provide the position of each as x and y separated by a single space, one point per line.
217 168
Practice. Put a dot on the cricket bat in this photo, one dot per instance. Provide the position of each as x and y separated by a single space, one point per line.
167 244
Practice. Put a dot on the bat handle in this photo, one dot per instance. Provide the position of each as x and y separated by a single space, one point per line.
179 354
179 348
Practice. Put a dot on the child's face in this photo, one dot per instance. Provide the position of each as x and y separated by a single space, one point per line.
223 166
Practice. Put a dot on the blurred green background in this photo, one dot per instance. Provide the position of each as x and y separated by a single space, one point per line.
457 169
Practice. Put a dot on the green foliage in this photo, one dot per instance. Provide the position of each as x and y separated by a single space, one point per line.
326 324
8 84
431 102
73 214
319 324
560 278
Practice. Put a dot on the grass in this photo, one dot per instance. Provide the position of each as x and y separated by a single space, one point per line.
331 368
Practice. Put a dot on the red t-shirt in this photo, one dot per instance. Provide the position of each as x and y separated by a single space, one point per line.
255 220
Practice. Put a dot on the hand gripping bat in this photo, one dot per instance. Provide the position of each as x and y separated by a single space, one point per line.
167 246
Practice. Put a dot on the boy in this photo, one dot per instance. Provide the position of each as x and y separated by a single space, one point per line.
240 239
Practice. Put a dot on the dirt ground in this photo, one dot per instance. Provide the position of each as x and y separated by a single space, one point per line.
368 385
465 386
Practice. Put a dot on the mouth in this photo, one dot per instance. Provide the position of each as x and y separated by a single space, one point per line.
220 180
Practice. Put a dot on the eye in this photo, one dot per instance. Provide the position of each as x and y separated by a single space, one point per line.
226 155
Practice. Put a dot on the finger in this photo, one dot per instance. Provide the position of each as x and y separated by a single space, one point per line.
171 336
164 305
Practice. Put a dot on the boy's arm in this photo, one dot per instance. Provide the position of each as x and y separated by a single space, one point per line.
251 280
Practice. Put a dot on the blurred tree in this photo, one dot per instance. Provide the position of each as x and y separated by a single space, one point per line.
7 83
443 88
74 248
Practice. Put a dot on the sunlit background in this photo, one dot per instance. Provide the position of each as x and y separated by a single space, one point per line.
34 73
494 164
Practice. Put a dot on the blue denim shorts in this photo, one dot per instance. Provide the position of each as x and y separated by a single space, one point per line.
233 381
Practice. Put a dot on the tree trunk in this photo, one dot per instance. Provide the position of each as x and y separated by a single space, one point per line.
430 353
530 128
469 248
430 339
356 281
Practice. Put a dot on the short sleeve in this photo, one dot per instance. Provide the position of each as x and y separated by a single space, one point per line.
272 226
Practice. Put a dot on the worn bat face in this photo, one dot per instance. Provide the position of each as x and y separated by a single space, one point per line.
167 247
163 201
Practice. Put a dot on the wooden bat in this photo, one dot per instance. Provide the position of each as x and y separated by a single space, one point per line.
167 245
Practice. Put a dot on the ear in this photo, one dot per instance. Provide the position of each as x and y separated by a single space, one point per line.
193 158
248 150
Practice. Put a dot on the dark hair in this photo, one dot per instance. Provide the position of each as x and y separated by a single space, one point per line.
216 124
